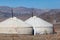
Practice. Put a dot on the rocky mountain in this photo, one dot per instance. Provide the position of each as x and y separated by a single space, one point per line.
24 13
53 14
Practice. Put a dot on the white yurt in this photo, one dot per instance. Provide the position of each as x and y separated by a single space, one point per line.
40 26
15 26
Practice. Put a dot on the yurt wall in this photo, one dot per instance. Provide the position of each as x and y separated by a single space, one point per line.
7 30
23 30
43 30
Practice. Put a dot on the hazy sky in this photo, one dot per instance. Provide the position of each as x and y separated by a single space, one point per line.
32 3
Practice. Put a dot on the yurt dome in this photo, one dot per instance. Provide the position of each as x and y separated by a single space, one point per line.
35 21
40 26
14 22
7 23
15 25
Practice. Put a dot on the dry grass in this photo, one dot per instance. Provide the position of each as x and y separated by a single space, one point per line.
29 37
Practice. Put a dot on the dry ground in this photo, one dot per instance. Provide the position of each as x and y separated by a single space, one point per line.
29 37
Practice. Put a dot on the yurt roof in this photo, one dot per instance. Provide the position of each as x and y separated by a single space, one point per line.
38 22
22 23
14 22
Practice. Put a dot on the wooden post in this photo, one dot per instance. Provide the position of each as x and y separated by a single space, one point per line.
32 12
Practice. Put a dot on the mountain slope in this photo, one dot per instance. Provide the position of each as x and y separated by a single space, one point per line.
24 13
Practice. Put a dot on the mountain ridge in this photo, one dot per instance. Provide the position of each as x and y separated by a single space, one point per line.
21 12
